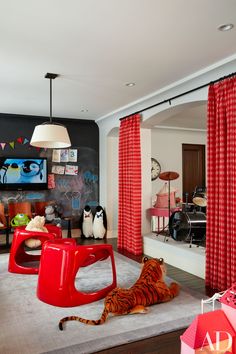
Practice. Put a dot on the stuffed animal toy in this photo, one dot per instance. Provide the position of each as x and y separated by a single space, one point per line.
20 220
149 289
51 215
35 224
86 223
99 223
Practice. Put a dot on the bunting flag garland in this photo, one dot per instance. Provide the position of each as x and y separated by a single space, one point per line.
21 140
25 141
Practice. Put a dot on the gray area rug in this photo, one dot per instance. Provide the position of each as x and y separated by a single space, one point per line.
29 326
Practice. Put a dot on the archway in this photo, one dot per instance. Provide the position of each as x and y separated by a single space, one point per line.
171 119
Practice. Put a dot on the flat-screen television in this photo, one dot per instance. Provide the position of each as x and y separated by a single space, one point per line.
20 173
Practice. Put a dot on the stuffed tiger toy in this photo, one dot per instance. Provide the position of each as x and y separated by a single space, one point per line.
148 290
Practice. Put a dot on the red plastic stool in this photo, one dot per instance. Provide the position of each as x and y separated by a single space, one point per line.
59 265
17 253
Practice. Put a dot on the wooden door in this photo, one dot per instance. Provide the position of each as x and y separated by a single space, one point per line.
193 168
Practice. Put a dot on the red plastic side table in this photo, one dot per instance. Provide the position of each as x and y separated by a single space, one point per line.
59 265
19 260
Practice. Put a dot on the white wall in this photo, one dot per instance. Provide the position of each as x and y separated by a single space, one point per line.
112 181
112 185
146 178
167 150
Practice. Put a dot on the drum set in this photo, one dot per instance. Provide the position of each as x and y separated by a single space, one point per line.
188 224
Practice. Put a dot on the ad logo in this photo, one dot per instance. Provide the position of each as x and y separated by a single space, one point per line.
221 344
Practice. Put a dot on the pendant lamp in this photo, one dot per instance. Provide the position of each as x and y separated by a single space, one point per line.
50 134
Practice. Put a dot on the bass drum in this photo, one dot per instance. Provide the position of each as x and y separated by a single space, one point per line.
187 225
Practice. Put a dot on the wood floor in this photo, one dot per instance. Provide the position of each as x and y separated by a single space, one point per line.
162 344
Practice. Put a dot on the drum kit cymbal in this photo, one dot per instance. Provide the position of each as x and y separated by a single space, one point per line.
169 176
200 197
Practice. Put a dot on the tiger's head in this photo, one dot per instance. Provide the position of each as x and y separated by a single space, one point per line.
155 266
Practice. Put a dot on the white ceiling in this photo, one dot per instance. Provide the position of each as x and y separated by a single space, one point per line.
97 46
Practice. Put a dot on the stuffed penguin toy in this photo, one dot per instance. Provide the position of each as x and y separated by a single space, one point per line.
86 222
99 223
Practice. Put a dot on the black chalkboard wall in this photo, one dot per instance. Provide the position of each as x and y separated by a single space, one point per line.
71 193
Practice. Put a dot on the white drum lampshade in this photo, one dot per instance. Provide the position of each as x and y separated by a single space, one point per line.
49 135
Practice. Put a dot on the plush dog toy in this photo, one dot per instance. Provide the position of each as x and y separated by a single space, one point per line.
35 224
148 290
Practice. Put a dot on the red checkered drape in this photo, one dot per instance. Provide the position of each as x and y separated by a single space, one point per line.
129 218
221 186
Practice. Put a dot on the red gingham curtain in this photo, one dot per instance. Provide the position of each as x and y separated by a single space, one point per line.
221 186
129 218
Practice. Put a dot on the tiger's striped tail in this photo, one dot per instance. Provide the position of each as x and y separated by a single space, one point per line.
84 320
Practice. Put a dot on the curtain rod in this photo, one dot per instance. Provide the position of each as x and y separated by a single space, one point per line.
181 94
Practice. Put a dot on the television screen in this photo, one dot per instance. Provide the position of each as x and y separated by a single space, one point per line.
23 173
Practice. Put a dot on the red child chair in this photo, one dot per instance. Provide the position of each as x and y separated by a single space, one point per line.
18 258
59 265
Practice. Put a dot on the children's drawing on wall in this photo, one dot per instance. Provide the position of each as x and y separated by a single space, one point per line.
56 155
78 185
72 155
64 155
58 169
71 170
74 198
75 202
51 181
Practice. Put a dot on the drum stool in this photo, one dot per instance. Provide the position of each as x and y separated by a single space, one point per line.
18 256
59 265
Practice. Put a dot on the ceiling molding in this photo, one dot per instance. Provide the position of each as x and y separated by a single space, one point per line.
178 128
